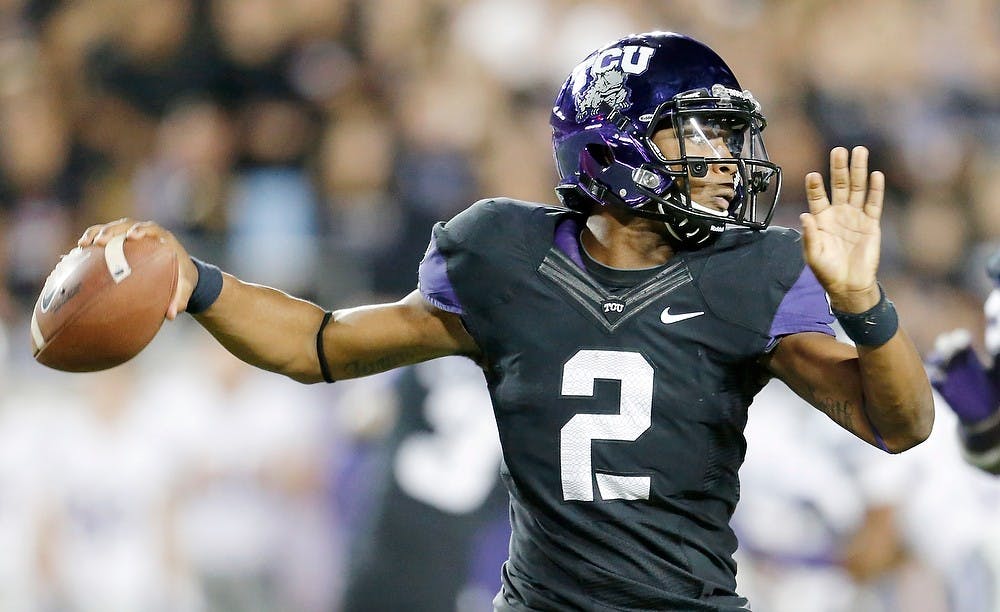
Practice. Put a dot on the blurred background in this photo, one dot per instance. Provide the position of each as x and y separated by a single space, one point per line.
310 145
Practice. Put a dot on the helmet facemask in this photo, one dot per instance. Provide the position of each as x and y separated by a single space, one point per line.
710 162
703 136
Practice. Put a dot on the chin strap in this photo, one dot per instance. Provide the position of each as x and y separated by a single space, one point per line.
685 233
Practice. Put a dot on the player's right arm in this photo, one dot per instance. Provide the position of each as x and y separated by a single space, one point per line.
272 330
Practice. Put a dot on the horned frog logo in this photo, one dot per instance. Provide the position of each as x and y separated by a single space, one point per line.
608 87
608 71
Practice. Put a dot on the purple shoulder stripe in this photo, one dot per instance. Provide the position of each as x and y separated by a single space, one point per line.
433 282
803 309
566 241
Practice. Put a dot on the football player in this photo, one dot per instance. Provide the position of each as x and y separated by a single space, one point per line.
624 334
971 389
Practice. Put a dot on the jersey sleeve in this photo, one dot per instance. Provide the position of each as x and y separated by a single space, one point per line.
456 251
433 282
475 260
803 309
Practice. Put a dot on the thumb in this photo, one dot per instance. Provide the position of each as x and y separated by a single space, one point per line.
187 278
810 244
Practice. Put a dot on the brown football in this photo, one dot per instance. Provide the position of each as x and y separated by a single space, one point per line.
100 306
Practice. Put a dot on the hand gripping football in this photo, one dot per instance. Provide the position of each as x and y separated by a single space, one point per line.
100 306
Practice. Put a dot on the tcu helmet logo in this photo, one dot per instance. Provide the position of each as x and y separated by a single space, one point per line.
607 71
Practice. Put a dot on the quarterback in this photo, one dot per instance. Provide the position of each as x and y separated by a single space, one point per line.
624 333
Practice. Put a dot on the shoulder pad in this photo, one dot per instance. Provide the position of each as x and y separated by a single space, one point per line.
500 223
745 277
493 245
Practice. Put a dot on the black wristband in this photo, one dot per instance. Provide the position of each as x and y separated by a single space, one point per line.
981 436
324 367
981 442
207 289
873 327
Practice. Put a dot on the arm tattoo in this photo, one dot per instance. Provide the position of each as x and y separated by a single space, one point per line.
840 410
365 367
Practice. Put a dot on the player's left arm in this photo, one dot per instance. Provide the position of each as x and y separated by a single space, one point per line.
875 393
878 389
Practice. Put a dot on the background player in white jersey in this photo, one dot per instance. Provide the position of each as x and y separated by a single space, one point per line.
110 538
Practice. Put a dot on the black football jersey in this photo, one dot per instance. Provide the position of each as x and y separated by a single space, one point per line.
620 398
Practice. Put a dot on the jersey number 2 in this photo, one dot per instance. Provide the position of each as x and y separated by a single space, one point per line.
633 418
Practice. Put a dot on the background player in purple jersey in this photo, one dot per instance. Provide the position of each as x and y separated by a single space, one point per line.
971 388
621 493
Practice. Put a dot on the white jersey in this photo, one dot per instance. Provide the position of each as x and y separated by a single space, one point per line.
111 493
799 500
807 486
25 426
243 445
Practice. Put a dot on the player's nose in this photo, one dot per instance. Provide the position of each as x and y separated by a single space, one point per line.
726 168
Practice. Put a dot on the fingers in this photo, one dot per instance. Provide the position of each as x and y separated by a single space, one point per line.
858 177
840 176
876 193
104 232
810 246
174 309
816 193
850 183
143 229
101 234
187 278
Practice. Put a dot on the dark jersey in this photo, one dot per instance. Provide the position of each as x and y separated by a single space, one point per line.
620 401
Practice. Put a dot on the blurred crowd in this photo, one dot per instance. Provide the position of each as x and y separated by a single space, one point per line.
310 145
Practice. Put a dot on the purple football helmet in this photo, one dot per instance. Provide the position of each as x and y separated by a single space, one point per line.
615 101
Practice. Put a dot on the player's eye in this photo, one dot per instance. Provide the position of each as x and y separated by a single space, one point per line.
697 133
696 138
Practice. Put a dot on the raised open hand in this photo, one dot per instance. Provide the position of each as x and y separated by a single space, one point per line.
841 234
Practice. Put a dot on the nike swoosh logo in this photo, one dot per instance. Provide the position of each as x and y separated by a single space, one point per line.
53 288
668 318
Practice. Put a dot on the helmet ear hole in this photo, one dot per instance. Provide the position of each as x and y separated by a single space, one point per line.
600 153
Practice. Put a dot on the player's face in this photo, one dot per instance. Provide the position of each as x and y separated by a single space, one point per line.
701 139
